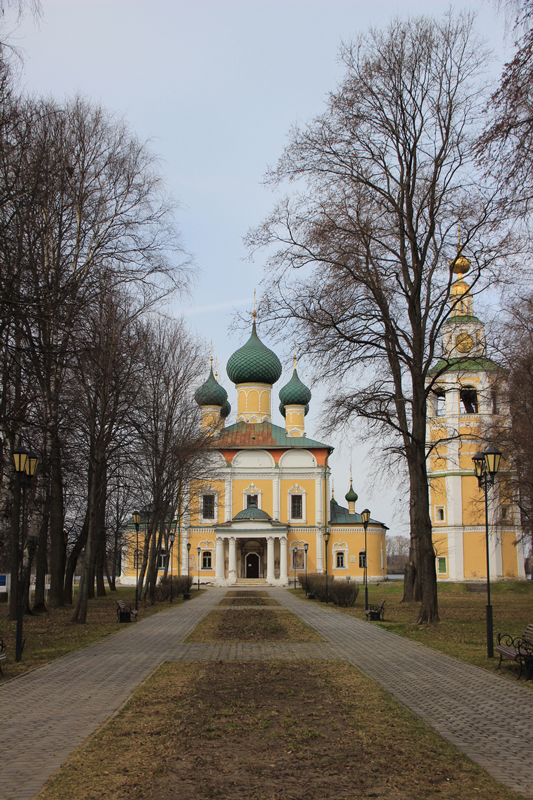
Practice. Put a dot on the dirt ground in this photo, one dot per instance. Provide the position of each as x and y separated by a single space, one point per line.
305 730
252 625
248 601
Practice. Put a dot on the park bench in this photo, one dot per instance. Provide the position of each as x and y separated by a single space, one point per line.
124 612
519 649
376 612
2 654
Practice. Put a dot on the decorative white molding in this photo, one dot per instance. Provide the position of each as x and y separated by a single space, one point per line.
296 489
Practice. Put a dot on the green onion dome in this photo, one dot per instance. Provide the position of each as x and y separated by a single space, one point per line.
351 496
252 512
282 410
254 363
211 393
225 410
295 393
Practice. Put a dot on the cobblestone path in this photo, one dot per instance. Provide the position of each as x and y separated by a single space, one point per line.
485 717
47 713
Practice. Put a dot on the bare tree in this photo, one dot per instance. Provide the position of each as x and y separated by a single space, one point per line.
363 245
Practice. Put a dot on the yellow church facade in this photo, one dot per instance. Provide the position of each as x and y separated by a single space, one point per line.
262 515
466 404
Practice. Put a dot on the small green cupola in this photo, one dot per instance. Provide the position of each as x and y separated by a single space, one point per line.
295 393
351 498
294 405
211 393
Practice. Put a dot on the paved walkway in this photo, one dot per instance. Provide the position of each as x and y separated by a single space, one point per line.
47 713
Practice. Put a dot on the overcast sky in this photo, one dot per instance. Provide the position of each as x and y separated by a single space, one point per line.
215 85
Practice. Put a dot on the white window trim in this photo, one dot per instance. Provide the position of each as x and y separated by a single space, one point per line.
341 547
443 508
252 489
207 544
297 520
207 520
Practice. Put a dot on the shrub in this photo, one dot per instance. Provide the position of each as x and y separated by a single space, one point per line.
180 585
344 593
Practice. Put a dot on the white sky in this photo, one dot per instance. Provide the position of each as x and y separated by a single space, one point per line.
215 86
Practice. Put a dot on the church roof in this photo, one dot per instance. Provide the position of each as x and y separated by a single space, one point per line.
263 435
340 515
466 364
252 512
461 319
254 363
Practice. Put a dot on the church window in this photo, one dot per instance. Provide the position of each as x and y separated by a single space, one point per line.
469 401
340 560
296 506
505 513
495 402
137 559
208 506
206 560
251 498
439 402
440 514
162 560
442 566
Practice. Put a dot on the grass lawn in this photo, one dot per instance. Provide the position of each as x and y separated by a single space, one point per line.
263 730
48 636
462 631
252 625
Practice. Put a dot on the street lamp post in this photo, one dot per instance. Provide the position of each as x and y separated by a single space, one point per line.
306 548
136 521
199 550
326 539
25 466
365 516
187 594
486 466
171 537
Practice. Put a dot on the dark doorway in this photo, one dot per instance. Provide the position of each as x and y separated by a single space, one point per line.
252 565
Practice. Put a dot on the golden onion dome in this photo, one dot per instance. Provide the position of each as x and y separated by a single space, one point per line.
460 265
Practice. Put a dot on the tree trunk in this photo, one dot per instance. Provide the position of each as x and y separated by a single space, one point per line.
58 546
29 552
73 558
14 554
41 564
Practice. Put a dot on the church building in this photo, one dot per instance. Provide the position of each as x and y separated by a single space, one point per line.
467 401
263 514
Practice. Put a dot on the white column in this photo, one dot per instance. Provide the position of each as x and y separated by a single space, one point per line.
184 552
319 496
283 560
219 560
319 551
232 569
270 559
228 498
275 497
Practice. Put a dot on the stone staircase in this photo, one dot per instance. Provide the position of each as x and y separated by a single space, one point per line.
250 583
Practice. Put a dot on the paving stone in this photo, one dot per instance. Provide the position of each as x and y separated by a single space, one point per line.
51 710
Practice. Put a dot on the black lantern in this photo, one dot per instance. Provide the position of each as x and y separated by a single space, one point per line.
365 517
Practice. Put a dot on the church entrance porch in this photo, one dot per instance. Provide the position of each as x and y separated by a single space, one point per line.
242 558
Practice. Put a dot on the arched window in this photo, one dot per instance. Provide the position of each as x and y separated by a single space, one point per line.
439 402
469 401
